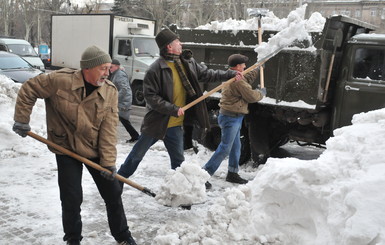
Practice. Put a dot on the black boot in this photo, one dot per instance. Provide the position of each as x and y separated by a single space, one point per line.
208 185
73 242
235 178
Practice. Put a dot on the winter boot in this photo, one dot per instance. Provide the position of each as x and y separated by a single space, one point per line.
235 178
129 241
208 185
73 242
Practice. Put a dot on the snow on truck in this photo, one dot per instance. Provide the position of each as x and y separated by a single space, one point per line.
312 88
128 39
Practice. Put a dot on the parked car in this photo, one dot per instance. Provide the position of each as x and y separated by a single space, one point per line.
46 58
16 68
22 48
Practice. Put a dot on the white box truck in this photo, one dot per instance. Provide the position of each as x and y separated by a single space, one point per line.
128 39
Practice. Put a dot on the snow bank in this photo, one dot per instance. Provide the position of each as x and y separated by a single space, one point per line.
336 199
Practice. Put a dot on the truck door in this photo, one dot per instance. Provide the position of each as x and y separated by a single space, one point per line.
364 88
123 53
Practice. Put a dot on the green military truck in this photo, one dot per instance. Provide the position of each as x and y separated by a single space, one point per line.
310 92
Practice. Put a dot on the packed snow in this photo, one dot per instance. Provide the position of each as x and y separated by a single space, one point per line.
335 198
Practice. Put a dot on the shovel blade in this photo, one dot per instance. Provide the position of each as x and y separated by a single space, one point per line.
257 12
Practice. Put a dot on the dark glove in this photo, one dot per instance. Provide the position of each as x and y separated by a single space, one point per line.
263 91
21 128
107 175
187 54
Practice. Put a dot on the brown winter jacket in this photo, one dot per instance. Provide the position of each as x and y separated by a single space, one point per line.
84 125
158 92
237 95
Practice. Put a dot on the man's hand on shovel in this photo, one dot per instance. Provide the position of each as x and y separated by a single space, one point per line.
109 175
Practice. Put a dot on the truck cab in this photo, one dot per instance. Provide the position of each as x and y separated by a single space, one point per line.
136 54
361 85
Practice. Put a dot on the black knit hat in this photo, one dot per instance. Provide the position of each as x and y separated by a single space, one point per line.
165 37
236 59
115 62
93 56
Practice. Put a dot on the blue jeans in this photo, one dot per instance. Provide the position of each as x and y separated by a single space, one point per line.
174 145
230 144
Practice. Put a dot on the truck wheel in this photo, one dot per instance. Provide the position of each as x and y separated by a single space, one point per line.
245 146
212 138
137 94
258 132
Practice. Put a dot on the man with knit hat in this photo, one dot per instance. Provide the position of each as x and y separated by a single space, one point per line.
169 84
82 116
233 106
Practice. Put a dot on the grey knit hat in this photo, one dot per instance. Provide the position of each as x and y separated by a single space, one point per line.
94 56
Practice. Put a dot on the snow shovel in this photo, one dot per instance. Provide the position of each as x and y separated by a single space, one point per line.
255 66
90 163
256 12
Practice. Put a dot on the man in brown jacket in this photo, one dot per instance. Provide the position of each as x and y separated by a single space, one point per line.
82 116
233 106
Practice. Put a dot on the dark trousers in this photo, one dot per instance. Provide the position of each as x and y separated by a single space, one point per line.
130 129
71 195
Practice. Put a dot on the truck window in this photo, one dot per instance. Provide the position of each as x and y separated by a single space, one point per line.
124 47
3 48
145 47
369 64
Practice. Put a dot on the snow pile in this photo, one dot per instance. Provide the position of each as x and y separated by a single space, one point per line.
8 94
335 199
296 30
268 22
183 186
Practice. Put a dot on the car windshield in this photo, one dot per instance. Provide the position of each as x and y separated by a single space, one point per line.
9 62
145 47
22 49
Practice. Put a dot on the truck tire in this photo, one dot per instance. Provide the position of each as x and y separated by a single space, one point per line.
137 94
212 138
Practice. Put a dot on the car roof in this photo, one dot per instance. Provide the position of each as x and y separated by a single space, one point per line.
13 41
7 54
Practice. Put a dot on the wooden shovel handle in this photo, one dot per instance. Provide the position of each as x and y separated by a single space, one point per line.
196 101
89 163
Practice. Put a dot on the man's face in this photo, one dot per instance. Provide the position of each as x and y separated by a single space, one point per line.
175 47
240 67
98 74
113 68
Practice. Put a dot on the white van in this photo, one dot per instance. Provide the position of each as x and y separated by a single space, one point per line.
22 48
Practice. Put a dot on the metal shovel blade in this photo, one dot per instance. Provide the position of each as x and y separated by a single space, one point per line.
257 12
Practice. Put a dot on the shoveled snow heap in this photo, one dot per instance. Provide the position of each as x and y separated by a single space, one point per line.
269 22
332 200
297 29
183 186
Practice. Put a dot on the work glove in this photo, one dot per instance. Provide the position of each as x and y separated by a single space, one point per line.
263 91
107 175
21 128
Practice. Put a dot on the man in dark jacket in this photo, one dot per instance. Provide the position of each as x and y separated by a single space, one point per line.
170 83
